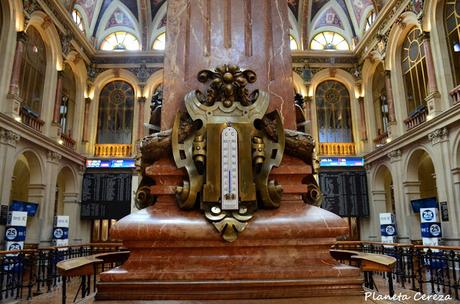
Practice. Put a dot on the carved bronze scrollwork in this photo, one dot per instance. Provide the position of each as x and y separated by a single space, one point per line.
228 144
229 158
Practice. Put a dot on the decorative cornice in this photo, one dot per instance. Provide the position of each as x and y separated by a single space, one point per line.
438 135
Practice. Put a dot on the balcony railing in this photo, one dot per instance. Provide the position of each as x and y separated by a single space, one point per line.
455 93
337 149
67 141
381 139
113 150
31 120
416 118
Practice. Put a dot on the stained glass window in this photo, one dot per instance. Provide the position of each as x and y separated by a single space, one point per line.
414 70
120 41
329 41
160 42
452 17
115 119
76 17
33 69
334 113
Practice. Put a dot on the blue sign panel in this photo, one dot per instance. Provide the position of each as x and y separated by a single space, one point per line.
60 233
15 233
341 162
424 203
110 163
430 230
30 208
388 230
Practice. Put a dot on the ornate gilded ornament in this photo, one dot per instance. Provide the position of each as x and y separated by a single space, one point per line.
228 144
229 158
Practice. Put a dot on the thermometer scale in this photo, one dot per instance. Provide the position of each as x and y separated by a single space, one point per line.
229 167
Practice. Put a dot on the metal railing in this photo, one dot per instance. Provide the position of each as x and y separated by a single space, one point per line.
68 141
337 149
30 272
113 150
416 118
425 269
31 120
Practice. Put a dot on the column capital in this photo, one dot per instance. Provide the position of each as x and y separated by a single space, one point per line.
21 36
307 99
394 155
387 73
425 35
88 100
53 156
141 99
438 135
9 137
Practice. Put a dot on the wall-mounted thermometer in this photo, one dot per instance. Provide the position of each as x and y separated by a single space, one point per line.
229 167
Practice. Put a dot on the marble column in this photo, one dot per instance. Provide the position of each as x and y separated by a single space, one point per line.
86 119
140 127
432 95
390 100
363 119
58 98
13 92
253 34
16 75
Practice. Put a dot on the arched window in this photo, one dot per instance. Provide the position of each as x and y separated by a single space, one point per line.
120 41
329 41
333 111
414 70
115 119
76 17
452 17
370 19
67 108
293 43
160 42
33 69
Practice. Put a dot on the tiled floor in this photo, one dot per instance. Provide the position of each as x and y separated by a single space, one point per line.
54 297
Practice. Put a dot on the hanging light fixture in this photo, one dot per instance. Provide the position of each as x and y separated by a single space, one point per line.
457 47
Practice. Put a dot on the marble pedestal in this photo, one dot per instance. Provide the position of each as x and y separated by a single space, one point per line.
175 254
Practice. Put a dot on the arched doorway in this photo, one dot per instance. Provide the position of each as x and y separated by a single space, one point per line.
27 187
420 184
65 191
383 186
